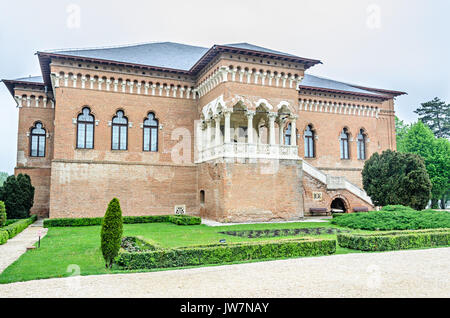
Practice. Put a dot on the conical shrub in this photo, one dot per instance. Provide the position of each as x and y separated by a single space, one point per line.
112 229
2 214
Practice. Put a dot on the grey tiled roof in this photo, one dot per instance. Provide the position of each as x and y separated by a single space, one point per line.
164 54
325 83
184 57
252 47
31 79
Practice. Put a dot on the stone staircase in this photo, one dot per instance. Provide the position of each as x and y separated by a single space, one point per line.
336 183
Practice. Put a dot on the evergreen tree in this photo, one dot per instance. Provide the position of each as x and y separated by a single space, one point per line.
394 178
2 214
436 115
112 229
18 195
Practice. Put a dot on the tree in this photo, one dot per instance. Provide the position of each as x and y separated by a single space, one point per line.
401 128
420 140
395 178
3 176
111 234
18 195
2 214
436 115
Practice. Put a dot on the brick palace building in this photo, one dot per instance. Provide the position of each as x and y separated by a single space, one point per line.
232 133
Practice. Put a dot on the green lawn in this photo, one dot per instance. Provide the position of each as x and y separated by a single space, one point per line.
80 246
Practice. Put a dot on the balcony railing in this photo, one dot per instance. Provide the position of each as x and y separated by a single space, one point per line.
248 151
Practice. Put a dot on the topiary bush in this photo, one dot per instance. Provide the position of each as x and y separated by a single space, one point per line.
111 234
2 214
18 195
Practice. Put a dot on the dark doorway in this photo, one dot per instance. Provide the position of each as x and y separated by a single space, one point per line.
202 197
338 206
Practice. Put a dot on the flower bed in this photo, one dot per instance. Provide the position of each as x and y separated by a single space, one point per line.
133 257
398 240
284 232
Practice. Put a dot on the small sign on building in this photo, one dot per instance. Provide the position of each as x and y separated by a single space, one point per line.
317 196
180 209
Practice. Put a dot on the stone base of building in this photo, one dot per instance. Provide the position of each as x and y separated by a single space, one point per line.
226 190
40 179
261 191
84 189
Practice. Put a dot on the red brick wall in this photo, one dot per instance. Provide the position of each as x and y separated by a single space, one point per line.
36 167
239 192
85 189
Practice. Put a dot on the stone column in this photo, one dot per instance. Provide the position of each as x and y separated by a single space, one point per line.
217 133
227 136
199 140
294 130
281 127
208 133
272 117
250 115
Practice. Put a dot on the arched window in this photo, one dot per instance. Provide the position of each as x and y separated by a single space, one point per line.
288 135
202 196
37 140
362 145
344 144
85 129
309 142
151 133
119 132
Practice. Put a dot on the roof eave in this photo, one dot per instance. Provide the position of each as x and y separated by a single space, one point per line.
344 92
209 55
10 84
47 55
379 90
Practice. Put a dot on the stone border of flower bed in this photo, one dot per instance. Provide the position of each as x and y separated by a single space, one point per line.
284 232
8 232
176 219
222 253
395 240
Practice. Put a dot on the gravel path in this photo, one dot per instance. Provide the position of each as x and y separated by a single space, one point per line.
417 273
16 246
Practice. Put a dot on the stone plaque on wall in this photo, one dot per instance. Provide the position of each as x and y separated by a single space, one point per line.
317 196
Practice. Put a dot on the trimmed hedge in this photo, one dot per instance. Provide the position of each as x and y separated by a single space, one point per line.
15 228
3 237
185 220
394 218
67 222
224 253
399 240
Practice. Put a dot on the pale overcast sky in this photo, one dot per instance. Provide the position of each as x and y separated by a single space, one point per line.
400 45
